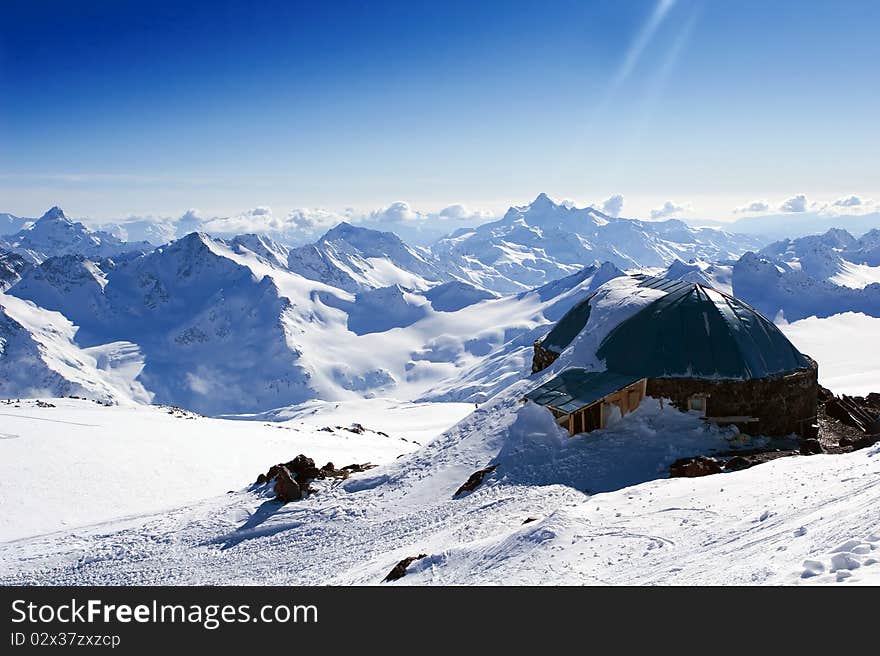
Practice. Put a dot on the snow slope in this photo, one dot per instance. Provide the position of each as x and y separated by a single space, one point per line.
715 275
38 357
777 289
845 346
10 224
81 463
599 517
358 259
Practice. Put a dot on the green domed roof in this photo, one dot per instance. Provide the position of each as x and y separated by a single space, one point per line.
699 332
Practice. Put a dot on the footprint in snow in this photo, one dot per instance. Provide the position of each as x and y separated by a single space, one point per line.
845 558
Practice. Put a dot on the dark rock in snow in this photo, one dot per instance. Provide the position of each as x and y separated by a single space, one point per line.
810 447
860 442
693 467
473 482
738 463
292 478
355 468
286 489
399 570
529 520
304 469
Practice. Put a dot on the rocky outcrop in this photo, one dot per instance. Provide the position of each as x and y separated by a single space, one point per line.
474 480
694 467
292 479
286 488
542 357
399 570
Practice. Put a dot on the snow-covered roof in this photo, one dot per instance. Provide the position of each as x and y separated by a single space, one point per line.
672 328
577 388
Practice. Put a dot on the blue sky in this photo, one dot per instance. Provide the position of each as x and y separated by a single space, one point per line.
114 108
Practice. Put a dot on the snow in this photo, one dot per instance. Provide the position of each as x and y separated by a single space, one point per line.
361 328
40 357
542 241
856 276
614 302
81 463
845 346
600 517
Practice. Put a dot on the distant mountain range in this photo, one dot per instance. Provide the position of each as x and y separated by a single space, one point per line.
54 234
246 324
539 242
530 246
795 224
817 275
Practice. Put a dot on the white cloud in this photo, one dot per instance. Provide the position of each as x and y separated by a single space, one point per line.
668 209
298 225
191 221
302 225
398 212
850 201
459 212
311 220
613 205
795 204
258 219
754 206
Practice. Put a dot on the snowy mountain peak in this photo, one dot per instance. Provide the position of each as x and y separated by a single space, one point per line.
542 200
362 238
54 214
357 259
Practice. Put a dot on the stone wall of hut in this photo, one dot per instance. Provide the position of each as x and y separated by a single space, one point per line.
782 404
542 358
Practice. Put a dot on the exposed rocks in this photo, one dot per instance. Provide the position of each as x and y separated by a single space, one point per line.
473 482
844 421
286 488
180 413
738 463
529 520
860 442
542 357
695 466
399 570
293 478
355 468
44 404
855 412
811 447
304 468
